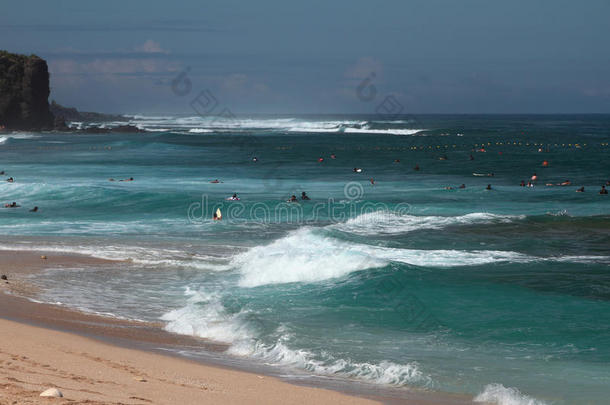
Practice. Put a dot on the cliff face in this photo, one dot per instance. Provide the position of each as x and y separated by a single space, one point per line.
24 92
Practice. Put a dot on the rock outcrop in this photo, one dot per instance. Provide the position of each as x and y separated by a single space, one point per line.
24 92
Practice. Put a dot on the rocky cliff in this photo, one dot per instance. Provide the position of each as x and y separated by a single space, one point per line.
24 92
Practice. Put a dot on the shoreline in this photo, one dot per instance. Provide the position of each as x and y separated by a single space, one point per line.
29 322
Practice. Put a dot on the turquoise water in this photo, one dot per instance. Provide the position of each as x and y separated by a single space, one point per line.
503 294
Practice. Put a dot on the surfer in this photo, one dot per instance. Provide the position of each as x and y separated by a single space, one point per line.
372 180
10 180
215 181
234 197
545 163
320 159
255 159
333 156
602 191
488 187
217 215
580 190
416 168
530 184
357 170
462 186
15 205
293 198
444 157
534 177
35 209
522 184
396 160
304 196
471 157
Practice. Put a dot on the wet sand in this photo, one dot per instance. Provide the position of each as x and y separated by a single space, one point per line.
106 360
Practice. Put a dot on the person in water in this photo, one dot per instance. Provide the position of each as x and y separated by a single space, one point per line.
372 180
357 170
603 190
255 159
234 197
396 160
304 196
522 184
462 186
10 180
333 156
580 190
293 198
534 177
416 168
215 181
320 159
35 209
12 205
2 173
530 184
471 157
488 187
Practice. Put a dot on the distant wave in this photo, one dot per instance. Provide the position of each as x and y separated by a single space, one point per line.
500 395
16 135
207 124
384 222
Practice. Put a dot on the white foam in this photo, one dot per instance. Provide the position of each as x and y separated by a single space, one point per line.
500 395
17 135
307 255
205 316
387 222
384 131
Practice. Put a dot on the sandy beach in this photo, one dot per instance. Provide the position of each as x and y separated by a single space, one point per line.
100 360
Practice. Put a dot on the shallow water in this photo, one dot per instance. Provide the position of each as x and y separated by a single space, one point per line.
502 294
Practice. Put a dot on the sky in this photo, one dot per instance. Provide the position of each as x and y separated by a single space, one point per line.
342 56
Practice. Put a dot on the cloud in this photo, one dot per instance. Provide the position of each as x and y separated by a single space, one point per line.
363 68
150 46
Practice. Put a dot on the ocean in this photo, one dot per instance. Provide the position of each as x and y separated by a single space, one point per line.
387 275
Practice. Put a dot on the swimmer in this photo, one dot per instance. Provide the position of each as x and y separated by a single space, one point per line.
488 187
12 205
462 186
111 179
234 197
35 209
396 160
293 198
565 183
357 170
129 179
580 190
608 183
416 168
448 188
602 191
471 157
215 181
372 180
2 173
304 196
444 157
10 180
333 156
534 177
320 159
545 163
522 184
530 184
255 159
